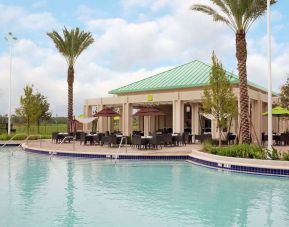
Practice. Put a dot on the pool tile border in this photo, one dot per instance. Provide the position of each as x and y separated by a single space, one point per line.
215 164
240 168
10 144
107 156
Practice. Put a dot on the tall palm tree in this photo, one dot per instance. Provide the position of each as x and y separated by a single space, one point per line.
71 46
239 16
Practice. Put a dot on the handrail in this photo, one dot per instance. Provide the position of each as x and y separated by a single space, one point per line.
116 155
11 139
73 141
62 141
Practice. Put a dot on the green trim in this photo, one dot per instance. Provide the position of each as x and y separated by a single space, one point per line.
189 75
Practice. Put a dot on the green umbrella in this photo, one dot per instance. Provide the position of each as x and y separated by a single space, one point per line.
278 111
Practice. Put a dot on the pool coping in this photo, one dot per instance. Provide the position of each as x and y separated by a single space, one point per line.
241 165
105 155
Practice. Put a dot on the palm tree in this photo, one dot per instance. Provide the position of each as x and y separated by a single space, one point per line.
71 46
239 16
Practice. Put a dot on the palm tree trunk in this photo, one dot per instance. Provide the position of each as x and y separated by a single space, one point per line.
241 54
220 135
70 80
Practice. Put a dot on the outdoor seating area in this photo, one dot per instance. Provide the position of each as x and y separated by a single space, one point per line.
62 137
138 140
280 139
157 140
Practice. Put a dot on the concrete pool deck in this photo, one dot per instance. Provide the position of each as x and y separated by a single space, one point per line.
48 146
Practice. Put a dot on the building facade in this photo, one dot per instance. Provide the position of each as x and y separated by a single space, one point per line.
178 93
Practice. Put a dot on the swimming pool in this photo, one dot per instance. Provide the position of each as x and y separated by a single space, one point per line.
35 190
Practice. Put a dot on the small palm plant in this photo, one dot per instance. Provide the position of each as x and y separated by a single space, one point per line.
239 16
71 46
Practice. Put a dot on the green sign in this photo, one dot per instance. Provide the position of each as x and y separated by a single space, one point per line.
150 98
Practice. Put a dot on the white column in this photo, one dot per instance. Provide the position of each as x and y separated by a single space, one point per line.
174 116
195 119
120 121
146 125
100 122
88 113
109 124
140 124
126 118
178 116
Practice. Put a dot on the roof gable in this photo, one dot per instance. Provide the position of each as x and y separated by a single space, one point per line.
192 74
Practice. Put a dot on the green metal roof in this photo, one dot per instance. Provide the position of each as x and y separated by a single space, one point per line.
192 74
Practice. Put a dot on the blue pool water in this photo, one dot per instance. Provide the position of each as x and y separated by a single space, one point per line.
37 191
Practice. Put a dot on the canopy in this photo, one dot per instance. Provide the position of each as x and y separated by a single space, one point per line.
278 111
106 112
149 111
86 120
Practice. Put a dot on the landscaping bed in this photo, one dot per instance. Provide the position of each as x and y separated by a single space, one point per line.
250 151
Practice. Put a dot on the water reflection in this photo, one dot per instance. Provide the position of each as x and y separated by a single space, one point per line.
193 194
80 192
32 175
70 217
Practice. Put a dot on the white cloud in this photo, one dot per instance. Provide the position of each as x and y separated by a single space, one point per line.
125 51
16 18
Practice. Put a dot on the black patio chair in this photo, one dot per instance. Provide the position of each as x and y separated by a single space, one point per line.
168 139
185 138
264 138
231 138
284 137
96 139
138 142
54 137
77 136
156 141
82 138
177 140
104 140
112 140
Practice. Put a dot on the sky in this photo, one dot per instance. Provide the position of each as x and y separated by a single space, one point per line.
134 39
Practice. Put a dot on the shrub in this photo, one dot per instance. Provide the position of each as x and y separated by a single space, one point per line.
273 154
285 156
239 151
23 137
207 146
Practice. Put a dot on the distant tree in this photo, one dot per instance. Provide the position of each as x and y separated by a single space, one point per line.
43 105
71 46
284 94
29 108
33 108
219 99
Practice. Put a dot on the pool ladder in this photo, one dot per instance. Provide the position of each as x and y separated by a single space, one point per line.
119 146
26 140
11 140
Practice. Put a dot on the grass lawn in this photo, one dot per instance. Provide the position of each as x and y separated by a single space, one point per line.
43 129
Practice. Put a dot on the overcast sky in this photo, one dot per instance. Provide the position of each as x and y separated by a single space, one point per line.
133 39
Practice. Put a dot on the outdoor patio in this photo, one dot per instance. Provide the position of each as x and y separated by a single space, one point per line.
126 149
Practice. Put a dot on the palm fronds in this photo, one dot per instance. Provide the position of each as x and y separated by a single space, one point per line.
237 14
72 43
